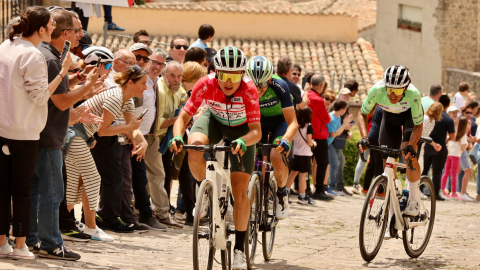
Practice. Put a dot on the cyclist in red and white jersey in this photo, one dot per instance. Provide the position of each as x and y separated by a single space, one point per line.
233 112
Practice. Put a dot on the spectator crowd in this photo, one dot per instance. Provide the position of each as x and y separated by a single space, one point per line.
92 126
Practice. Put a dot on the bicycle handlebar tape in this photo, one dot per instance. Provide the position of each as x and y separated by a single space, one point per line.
239 157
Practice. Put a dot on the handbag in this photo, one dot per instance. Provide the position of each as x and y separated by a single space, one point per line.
340 142
312 147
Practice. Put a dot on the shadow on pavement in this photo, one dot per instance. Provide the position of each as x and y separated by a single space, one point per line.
422 263
279 264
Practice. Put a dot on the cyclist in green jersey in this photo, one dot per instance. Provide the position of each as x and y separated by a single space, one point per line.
401 103
277 117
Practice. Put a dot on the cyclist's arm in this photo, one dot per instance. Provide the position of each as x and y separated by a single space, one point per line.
362 124
416 134
252 137
181 124
290 117
367 106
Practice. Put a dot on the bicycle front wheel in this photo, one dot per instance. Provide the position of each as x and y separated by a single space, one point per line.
374 219
270 201
252 229
203 242
415 240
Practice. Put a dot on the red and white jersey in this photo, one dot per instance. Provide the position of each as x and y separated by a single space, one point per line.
242 108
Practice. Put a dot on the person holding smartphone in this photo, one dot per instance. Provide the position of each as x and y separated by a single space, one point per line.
83 178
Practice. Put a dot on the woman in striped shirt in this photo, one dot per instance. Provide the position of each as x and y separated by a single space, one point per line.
83 179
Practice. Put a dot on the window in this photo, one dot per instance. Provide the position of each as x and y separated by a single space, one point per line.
410 18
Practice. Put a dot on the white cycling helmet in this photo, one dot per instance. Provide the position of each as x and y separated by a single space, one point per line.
396 77
230 59
96 53
259 69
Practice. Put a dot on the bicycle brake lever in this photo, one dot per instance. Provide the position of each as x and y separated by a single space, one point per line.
239 157
284 158
410 165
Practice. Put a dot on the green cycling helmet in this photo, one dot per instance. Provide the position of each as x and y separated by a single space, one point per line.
259 69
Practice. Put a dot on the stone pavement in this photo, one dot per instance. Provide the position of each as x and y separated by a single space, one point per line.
324 236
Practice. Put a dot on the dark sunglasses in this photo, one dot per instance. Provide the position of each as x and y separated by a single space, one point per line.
139 57
75 70
178 47
296 74
108 66
465 112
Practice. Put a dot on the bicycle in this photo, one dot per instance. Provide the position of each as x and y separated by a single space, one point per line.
263 199
382 195
211 210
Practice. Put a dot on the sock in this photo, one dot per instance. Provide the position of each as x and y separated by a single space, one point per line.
282 190
414 189
240 240
198 183
288 190
302 195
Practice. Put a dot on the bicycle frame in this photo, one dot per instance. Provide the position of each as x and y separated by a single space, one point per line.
401 224
259 165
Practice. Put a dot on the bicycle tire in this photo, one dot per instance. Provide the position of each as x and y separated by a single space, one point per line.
268 237
251 237
226 255
372 196
406 235
206 194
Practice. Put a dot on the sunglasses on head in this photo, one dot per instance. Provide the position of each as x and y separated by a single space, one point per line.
139 57
234 78
397 91
146 42
178 47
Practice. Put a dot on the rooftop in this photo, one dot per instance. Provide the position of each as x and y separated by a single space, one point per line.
364 9
337 61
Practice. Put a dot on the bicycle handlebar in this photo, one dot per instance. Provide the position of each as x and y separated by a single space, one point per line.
265 145
211 149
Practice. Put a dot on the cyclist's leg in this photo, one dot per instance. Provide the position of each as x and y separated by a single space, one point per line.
280 171
204 131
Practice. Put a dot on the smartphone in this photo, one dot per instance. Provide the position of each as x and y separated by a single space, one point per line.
66 49
98 63
353 122
143 114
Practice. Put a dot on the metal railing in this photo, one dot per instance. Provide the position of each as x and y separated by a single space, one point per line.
11 8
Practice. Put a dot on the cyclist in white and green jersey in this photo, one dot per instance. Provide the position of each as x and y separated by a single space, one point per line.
402 107
277 117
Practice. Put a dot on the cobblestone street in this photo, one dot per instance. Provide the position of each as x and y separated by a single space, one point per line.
324 236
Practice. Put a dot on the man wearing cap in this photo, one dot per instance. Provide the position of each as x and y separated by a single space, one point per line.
142 53
445 128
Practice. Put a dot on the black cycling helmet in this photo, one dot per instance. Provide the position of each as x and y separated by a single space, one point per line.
86 40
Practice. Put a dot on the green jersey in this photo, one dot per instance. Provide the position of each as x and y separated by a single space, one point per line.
275 98
411 100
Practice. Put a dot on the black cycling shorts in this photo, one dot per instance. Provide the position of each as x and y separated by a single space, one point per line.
391 133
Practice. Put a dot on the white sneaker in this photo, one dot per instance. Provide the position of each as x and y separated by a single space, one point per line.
239 261
22 253
282 210
355 189
464 197
339 193
443 196
98 234
6 250
412 209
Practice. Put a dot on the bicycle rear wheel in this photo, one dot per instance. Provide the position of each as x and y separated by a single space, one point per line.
203 242
415 240
270 201
252 228
374 219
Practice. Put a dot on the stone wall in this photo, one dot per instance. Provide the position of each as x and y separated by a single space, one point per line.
457 34
454 76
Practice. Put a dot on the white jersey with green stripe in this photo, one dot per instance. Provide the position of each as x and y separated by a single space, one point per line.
411 100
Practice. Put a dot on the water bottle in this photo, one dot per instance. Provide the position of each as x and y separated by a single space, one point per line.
398 188
404 200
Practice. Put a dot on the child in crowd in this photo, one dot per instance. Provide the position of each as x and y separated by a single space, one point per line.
455 149
302 160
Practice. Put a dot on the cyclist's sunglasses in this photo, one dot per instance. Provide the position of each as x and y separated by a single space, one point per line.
262 85
178 47
139 57
234 78
397 91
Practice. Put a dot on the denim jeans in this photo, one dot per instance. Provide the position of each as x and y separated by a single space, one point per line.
107 9
337 164
47 194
